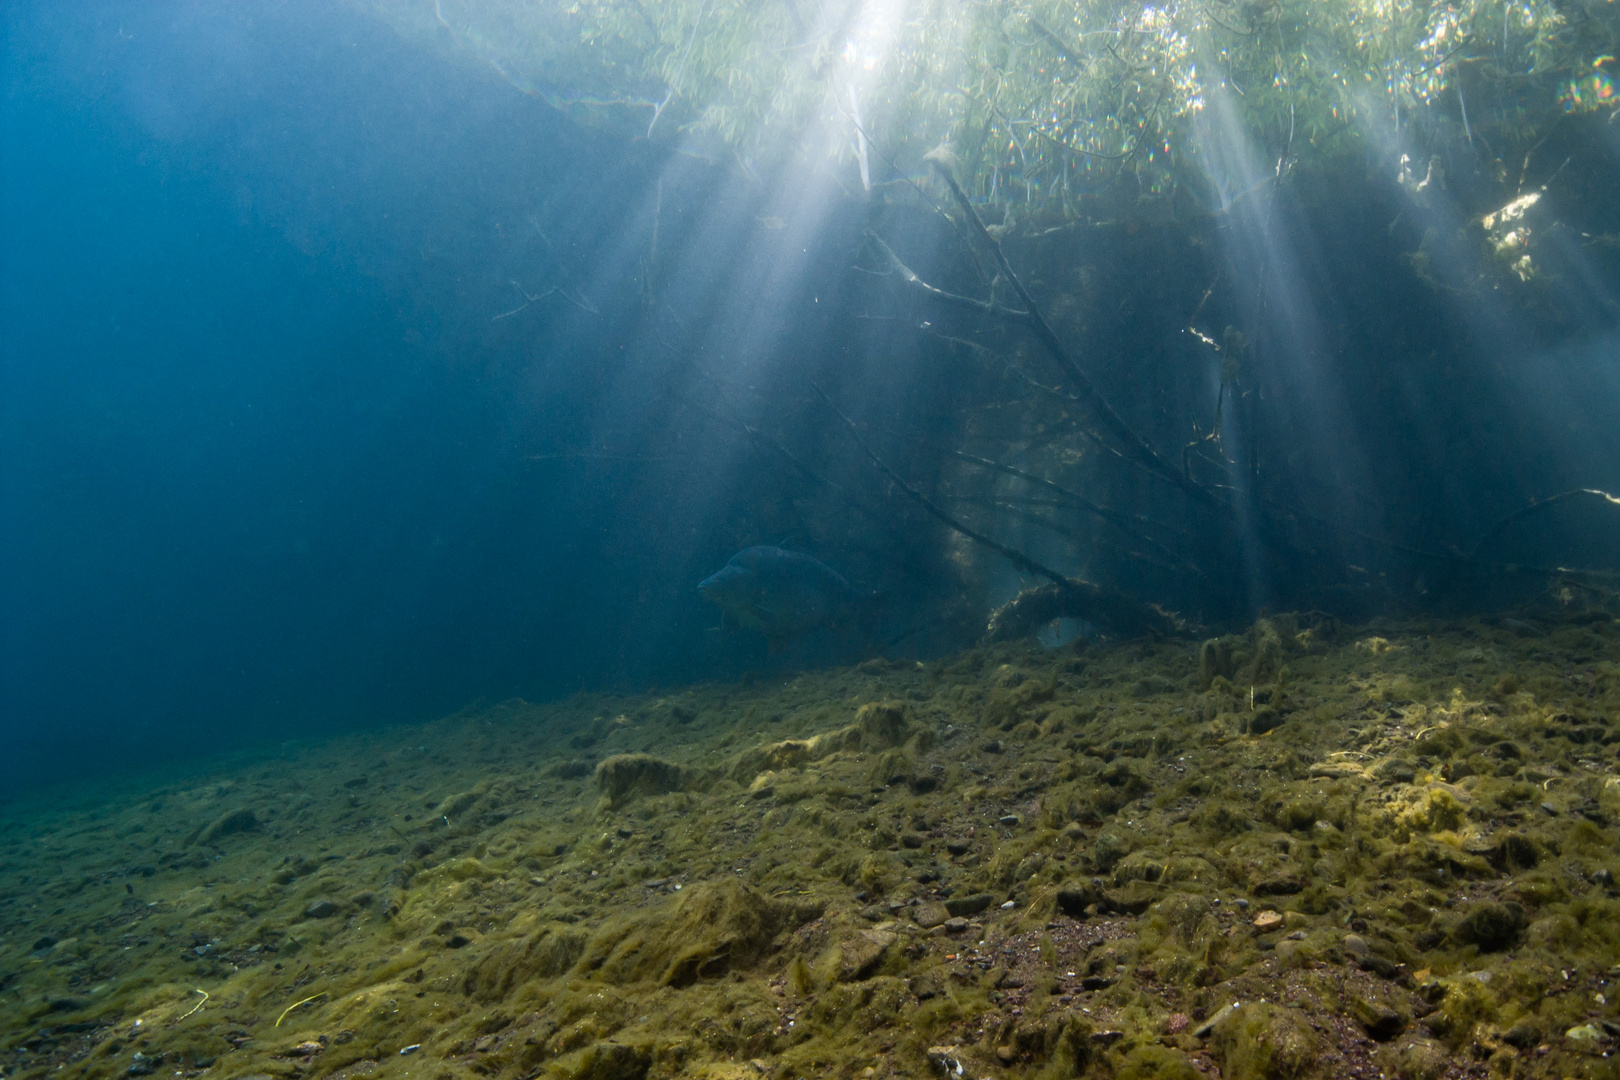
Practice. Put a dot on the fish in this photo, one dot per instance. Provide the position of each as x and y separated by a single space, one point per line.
783 594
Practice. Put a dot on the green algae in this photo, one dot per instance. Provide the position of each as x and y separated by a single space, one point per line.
1057 863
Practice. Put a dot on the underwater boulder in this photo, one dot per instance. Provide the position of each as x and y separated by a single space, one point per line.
544 954
883 724
1266 1042
1491 925
709 930
237 821
604 1061
624 777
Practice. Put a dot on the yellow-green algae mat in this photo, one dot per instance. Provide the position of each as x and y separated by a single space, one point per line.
1306 851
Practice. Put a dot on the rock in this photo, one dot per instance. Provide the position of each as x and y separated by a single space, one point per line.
956 925
1008 821
1263 719
1267 921
141 1065
860 954
1207 1028
1336 770
1356 946
1006 1054
883 724
947 1060
1073 902
1377 1019
1265 1042
624 777
237 821
1133 899
606 1061
1422 1059
320 909
964 906
1395 771
1280 885
1522 1036
930 914
957 847
1382 966
1491 925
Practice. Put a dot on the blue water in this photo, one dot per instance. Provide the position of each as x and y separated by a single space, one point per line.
271 464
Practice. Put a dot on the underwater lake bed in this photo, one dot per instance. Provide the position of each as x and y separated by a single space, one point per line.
1306 850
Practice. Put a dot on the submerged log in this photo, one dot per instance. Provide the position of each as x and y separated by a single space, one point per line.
1073 598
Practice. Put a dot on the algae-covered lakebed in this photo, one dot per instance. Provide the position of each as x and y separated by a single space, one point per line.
1305 850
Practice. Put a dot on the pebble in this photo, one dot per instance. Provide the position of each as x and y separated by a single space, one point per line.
320 909
956 925
1267 921
1009 821
1356 946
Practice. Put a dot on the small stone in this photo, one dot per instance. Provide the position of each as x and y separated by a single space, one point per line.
141 1065
930 914
1267 921
956 925
1522 1036
1006 1054
321 909
1356 946
957 847
1176 1024
1008 821
948 1061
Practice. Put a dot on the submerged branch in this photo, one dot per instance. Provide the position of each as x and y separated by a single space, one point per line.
1087 391
1535 508
1013 555
909 276
1060 597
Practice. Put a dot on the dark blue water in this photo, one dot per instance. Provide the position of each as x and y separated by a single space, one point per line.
271 465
